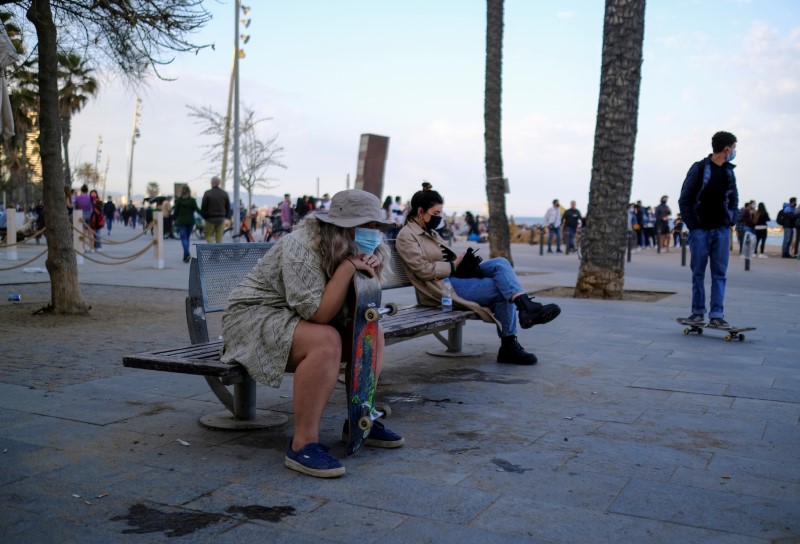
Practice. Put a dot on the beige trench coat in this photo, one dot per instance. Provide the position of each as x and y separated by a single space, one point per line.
421 252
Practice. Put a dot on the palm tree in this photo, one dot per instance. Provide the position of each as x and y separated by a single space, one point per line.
76 86
499 239
602 269
24 100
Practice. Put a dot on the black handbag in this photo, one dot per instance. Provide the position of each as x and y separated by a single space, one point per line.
469 267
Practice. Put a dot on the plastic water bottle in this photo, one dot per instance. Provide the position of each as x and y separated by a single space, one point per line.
447 296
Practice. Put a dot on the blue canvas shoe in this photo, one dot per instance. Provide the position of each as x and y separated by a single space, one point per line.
379 436
313 459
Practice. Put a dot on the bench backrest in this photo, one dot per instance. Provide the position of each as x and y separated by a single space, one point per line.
219 268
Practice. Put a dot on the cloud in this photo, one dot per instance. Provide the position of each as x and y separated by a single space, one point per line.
770 68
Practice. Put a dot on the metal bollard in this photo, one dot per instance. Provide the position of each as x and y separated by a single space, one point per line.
748 250
683 248
630 242
541 240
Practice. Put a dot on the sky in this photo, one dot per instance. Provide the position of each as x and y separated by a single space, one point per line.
326 72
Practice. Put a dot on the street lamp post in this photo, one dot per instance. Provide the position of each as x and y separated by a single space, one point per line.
137 116
238 53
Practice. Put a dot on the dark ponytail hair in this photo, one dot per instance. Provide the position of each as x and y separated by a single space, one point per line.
425 200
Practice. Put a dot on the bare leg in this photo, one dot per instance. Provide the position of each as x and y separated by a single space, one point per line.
314 358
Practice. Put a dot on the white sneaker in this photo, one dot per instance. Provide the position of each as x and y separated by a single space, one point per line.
762 256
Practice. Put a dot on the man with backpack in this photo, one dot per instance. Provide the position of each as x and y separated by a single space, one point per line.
708 203
786 219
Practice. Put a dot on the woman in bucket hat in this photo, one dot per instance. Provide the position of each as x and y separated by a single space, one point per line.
284 314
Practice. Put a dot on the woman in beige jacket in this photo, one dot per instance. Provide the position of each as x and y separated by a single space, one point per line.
428 261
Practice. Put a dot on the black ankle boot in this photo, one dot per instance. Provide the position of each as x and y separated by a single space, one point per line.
532 313
511 353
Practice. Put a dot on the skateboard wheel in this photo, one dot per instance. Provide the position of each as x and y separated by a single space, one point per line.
392 307
371 315
387 412
686 331
741 338
699 331
365 423
728 337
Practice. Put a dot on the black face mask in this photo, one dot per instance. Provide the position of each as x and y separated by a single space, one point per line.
433 222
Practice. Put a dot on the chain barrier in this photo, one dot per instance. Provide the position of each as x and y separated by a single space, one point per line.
31 237
105 240
122 260
23 264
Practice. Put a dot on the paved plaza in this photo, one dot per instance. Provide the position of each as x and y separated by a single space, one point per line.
626 431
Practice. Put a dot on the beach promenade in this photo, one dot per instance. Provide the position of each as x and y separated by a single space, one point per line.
626 431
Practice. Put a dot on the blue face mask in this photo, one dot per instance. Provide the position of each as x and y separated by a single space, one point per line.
731 156
368 239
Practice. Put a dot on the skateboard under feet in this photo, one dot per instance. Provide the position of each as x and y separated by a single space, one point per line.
733 333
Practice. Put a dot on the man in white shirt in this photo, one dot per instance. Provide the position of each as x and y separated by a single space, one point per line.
552 220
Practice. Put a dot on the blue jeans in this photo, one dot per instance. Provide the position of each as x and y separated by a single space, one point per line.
557 233
787 241
494 290
709 245
571 238
185 231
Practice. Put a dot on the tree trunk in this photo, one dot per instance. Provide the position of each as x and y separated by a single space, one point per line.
66 132
604 241
499 238
61 263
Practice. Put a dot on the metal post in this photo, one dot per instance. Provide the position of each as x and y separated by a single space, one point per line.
77 224
236 218
541 240
11 234
683 248
630 243
158 237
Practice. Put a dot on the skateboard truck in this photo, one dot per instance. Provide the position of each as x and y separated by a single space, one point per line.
374 314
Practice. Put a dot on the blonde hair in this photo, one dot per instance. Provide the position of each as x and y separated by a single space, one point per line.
334 245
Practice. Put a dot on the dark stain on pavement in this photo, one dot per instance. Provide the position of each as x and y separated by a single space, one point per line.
449 375
505 466
143 519
273 514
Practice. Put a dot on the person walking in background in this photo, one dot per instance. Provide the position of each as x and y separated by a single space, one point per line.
166 215
98 220
109 210
709 201
552 218
183 212
215 209
83 203
572 221
663 214
677 231
786 220
761 219
748 224
287 213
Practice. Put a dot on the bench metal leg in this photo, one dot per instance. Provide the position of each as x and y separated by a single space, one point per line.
241 413
453 343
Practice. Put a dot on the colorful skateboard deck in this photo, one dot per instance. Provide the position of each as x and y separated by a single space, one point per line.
731 333
359 341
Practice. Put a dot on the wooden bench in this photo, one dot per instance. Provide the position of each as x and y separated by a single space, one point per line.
213 274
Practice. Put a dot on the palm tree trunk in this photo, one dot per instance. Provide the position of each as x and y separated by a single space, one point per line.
603 245
499 238
66 133
61 263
